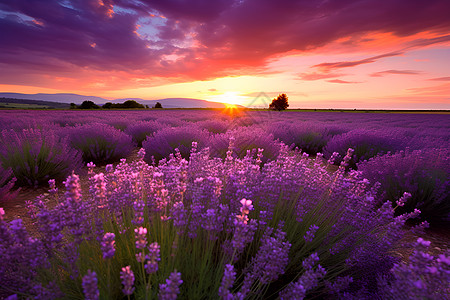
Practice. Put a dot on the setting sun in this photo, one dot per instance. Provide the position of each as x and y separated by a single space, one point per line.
230 98
231 110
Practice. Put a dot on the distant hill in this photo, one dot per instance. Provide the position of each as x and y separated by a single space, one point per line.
62 98
27 103
78 99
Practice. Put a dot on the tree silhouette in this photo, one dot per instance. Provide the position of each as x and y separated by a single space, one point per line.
158 105
107 105
132 104
279 103
88 105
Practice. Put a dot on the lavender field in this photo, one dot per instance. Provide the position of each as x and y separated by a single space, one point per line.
202 204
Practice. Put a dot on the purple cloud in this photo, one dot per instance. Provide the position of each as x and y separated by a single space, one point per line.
197 39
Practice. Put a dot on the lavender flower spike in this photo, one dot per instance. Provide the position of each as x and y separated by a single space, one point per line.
141 239
153 258
309 236
107 245
73 187
90 288
246 206
127 277
245 210
170 289
228 279
406 196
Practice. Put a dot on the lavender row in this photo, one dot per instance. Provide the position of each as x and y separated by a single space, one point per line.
207 228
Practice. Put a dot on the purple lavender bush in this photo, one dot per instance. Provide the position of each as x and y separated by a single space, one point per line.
309 137
206 228
7 181
366 143
120 123
424 276
139 131
244 140
166 140
99 143
35 156
422 173
214 126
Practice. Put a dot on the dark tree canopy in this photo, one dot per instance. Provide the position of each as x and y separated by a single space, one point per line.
107 105
88 105
132 104
279 103
126 104
158 105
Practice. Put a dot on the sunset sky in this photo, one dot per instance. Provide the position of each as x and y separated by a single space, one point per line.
392 54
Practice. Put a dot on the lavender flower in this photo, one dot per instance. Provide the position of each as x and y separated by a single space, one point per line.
99 189
310 233
406 196
228 279
138 207
141 153
107 245
52 187
90 288
127 277
90 167
153 257
308 281
179 217
170 289
73 187
246 206
141 237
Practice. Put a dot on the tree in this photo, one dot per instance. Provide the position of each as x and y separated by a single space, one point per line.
279 103
107 105
73 106
132 104
158 105
88 105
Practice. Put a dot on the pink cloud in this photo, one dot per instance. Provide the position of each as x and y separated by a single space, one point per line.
209 38
342 81
325 67
395 72
440 78
311 76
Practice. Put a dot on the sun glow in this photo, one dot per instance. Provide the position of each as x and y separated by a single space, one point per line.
231 110
229 98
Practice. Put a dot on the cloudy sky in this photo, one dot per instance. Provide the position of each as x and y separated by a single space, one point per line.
321 53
